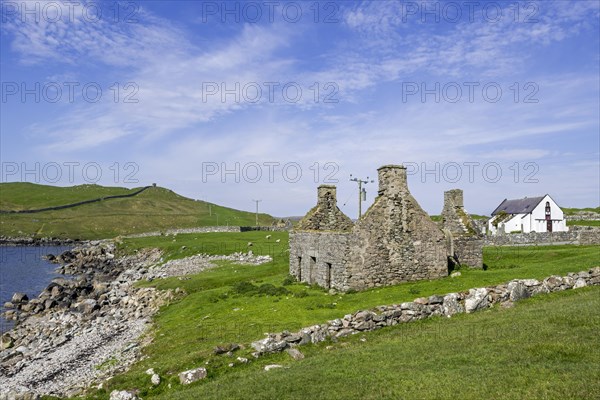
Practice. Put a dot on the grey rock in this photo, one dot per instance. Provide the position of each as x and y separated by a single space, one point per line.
476 300
517 291
88 306
269 345
123 395
451 305
19 298
435 299
192 375
579 283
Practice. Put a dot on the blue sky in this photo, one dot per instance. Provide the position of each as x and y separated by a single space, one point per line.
211 93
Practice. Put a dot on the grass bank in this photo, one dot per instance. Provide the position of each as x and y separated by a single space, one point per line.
544 348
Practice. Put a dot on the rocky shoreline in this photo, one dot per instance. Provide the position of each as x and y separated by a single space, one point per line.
78 330
85 328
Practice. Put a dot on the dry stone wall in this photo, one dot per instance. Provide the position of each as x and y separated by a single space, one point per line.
425 307
582 235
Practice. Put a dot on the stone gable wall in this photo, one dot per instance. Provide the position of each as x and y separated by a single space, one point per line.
326 216
397 242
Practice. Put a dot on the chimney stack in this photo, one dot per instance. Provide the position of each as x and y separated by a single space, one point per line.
392 180
453 198
326 194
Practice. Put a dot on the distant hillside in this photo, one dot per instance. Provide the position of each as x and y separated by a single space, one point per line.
573 211
154 209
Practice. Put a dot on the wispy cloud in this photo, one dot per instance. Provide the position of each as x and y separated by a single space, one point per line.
175 126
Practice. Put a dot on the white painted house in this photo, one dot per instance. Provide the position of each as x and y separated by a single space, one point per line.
531 214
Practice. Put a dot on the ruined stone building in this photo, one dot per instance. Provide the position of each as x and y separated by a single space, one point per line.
465 243
394 241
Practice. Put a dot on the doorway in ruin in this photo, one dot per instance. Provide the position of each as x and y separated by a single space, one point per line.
328 275
311 271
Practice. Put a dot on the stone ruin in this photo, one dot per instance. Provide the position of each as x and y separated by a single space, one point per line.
394 241
465 243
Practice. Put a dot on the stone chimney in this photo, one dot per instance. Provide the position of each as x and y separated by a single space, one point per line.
453 198
392 180
326 195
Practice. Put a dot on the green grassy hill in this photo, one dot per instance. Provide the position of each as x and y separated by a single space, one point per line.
152 210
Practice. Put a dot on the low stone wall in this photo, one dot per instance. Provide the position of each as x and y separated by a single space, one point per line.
208 229
583 235
583 216
201 229
426 307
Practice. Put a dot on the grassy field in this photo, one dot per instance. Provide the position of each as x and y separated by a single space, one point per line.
219 309
544 348
152 210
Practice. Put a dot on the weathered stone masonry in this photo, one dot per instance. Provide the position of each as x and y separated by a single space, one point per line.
395 241
464 241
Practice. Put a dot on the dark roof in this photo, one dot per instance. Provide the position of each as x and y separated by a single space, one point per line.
518 206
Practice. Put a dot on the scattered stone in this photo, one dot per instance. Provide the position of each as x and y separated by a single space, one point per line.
455 274
155 379
226 349
123 395
272 366
191 376
242 360
6 342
